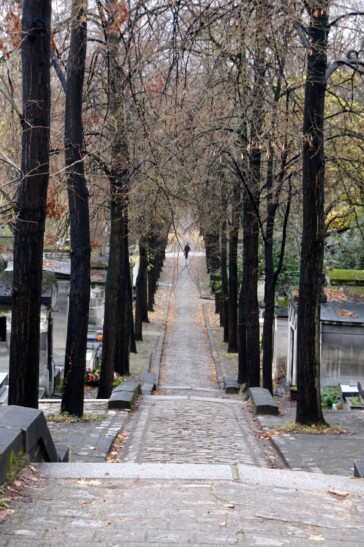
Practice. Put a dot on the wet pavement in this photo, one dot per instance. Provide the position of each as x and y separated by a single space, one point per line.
194 466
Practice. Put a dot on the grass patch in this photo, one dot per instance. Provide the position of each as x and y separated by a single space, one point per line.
66 418
337 276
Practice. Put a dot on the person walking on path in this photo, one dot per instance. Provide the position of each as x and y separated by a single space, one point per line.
186 250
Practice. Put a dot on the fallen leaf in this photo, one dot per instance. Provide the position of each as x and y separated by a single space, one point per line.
88 481
338 492
317 538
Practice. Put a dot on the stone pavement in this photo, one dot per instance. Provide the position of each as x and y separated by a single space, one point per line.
331 454
194 468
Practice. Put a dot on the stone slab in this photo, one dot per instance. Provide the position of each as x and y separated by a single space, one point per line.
122 399
349 390
3 378
149 378
231 386
359 469
63 452
140 471
11 441
298 480
147 389
130 385
37 440
262 401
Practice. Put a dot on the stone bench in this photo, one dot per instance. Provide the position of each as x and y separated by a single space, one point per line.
24 434
262 401
125 395
231 386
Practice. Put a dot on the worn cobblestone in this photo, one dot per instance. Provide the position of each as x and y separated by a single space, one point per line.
191 420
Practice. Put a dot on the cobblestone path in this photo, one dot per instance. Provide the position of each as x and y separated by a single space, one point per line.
191 420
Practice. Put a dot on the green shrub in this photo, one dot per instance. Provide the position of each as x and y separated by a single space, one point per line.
329 396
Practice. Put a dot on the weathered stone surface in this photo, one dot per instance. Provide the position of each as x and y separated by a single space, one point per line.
359 469
63 452
122 399
11 441
361 392
149 378
37 440
130 385
262 401
147 389
231 386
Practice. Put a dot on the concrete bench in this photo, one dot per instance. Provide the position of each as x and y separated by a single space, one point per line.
262 401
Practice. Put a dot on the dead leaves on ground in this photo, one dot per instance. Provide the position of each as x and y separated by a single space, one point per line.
117 446
294 428
27 479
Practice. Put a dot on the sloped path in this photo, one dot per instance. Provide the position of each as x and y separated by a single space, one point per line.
191 420
191 473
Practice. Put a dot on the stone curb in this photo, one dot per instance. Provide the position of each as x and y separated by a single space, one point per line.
155 358
215 355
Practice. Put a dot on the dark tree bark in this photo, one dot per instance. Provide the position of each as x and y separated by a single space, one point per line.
141 302
122 363
251 199
271 276
224 312
116 340
250 281
152 271
242 340
31 205
309 409
233 281
212 253
79 299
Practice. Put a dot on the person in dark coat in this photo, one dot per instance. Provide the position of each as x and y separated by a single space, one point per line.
186 250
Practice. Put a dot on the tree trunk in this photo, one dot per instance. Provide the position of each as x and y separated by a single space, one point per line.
141 290
233 282
224 283
79 299
152 274
251 210
269 302
250 283
116 341
31 205
122 362
312 247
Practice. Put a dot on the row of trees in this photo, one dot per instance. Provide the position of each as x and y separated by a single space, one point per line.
199 104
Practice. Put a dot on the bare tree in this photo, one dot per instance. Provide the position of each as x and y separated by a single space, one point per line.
31 205
75 357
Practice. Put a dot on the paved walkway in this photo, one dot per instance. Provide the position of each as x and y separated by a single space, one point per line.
191 420
193 469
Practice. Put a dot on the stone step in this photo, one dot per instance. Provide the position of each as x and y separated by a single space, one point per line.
276 478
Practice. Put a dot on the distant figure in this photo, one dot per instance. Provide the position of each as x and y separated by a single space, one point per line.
186 250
